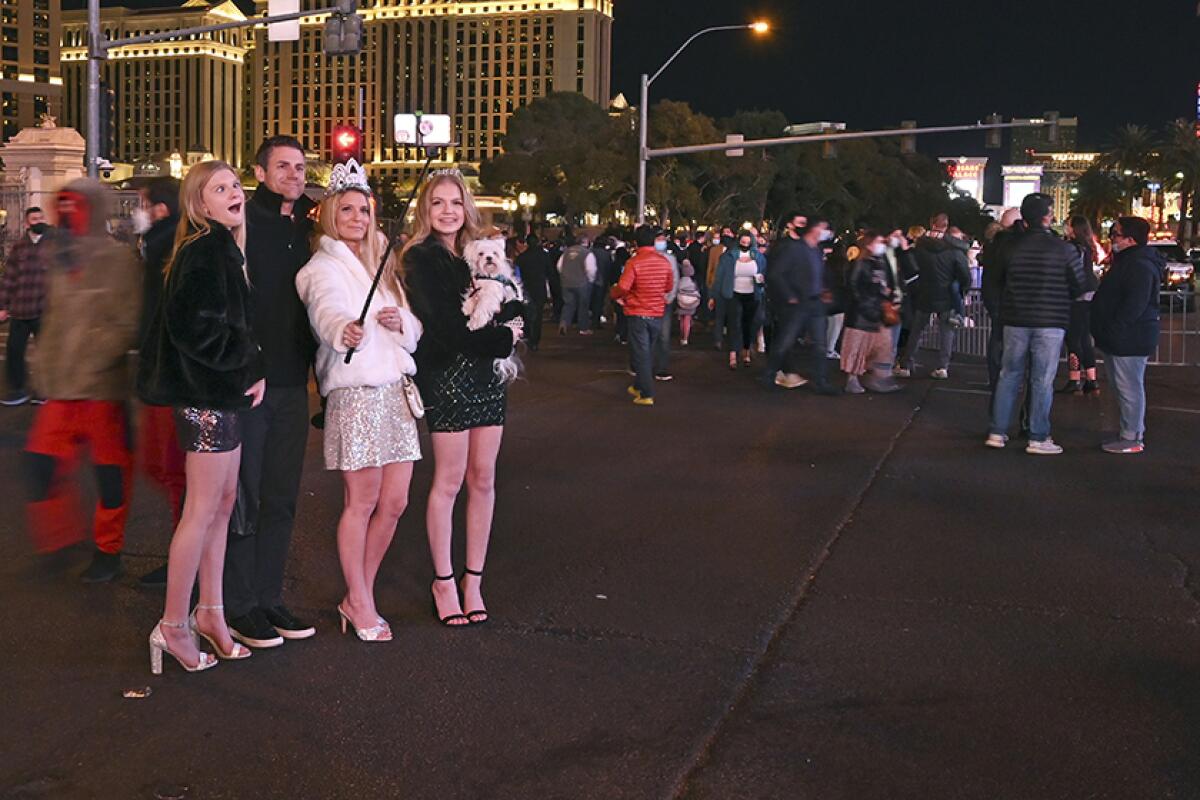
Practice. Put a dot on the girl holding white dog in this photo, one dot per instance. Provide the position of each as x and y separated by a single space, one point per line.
465 394
370 429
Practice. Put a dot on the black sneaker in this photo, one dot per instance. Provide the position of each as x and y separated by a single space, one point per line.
286 623
155 578
105 567
253 630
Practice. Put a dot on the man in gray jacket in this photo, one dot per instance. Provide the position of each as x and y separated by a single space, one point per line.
577 268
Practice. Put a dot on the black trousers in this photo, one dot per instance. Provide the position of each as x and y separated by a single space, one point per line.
1079 336
15 369
260 532
534 314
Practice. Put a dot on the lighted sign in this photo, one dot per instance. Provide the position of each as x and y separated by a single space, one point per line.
966 174
424 130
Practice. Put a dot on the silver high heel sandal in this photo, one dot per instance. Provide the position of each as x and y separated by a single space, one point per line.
158 646
379 632
236 654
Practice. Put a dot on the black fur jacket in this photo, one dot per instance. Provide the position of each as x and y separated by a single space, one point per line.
199 350
437 281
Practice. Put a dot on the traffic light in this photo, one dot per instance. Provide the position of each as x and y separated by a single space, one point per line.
1052 127
347 144
343 30
995 136
908 143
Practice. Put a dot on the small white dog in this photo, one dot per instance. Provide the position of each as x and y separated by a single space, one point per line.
493 283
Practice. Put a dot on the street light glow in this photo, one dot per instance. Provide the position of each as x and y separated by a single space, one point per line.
760 27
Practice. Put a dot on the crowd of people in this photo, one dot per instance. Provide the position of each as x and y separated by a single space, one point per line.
243 300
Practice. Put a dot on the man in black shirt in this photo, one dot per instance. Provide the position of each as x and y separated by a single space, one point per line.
535 267
274 434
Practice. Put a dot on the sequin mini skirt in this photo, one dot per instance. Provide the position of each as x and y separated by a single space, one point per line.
369 426
207 430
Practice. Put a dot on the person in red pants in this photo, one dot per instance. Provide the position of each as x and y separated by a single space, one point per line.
87 330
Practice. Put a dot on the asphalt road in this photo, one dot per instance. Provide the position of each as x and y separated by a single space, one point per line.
734 594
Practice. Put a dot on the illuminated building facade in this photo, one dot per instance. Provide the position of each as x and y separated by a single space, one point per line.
476 60
1027 141
967 174
168 97
30 82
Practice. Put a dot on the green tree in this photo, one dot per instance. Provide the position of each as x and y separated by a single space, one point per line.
1100 195
1181 172
1132 155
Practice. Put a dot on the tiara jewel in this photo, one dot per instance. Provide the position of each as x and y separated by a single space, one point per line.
346 177
451 171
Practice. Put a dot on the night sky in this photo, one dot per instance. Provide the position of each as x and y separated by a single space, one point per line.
873 63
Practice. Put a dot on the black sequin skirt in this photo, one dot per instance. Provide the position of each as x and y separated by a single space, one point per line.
464 394
206 430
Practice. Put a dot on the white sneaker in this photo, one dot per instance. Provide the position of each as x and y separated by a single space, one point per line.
901 372
939 374
789 380
1046 447
996 440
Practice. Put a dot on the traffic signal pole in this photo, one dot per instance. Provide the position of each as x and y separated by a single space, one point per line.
98 47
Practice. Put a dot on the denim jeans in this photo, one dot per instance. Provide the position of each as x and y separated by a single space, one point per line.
1128 375
946 336
662 348
576 307
643 339
791 322
1038 349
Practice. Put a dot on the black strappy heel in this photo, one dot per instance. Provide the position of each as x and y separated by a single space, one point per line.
452 617
471 615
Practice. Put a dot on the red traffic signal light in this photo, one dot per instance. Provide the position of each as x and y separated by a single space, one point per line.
347 144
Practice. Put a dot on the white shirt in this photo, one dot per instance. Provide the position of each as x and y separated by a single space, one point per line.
744 273
334 286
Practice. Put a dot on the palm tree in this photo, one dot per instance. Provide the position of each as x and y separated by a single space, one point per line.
1099 196
1181 168
1132 155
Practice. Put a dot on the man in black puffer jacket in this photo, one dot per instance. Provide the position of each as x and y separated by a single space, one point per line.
1039 275
941 263
1125 325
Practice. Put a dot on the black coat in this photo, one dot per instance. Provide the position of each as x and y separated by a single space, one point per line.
868 285
535 267
199 349
1125 314
795 272
156 249
941 261
276 248
437 282
1039 275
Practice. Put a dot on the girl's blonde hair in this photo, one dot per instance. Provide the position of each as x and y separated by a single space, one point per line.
423 216
372 247
193 224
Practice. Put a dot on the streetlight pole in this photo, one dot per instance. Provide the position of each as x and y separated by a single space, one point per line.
644 110
95 55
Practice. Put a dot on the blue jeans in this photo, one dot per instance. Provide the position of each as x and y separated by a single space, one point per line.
643 339
662 348
791 322
1128 375
576 307
1038 349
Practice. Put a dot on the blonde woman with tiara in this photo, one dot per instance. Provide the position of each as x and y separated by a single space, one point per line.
466 401
201 358
370 432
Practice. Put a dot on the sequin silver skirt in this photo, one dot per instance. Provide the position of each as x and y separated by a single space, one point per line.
207 430
369 426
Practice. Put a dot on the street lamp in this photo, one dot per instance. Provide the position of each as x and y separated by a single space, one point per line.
759 27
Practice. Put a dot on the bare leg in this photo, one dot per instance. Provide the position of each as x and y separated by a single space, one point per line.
449 469
212 563
207 477
481 503
361 496
393 500
685 328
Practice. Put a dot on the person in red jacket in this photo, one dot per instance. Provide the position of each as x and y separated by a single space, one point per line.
642 290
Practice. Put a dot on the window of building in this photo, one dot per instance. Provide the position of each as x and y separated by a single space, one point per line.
9 53
41 56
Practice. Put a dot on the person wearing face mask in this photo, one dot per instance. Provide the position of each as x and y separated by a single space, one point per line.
867 340
717 247
87 331
740 281
903 270
22 300
662 348
941 262
155 219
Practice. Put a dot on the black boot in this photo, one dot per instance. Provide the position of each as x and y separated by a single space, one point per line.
105 567
1091 387
1072 386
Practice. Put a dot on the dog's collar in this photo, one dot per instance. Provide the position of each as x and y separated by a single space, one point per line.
500 279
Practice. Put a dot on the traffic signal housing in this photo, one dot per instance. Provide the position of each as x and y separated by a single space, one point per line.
347 144
343 35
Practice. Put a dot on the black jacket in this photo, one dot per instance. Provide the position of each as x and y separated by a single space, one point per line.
1125 315
868 285
941 261
989 258
156 249
795 272
276 248
1039 275
535 266
199 349
437 282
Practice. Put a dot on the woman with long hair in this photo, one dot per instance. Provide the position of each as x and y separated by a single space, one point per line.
867 344
370 431
1081 351
466 400
740 282
201 358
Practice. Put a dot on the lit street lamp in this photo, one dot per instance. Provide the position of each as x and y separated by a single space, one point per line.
643 110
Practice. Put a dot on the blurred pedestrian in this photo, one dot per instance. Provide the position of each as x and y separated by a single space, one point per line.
662 349
602 253
1081 350
796 285
466 399
687 302
370 433
1126 324
201 357
1039 275
870 309
643 289
22 300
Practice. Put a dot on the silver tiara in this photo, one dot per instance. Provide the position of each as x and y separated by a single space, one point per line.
347 176
451 172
